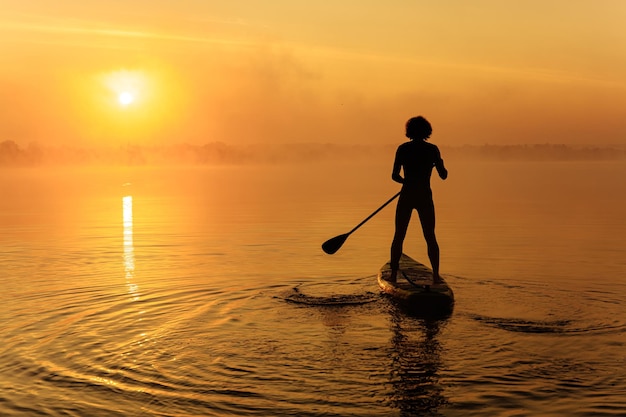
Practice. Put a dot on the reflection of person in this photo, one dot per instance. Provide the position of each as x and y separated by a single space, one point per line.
416 363
416 158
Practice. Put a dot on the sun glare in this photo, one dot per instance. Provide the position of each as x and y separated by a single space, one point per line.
125 98
124 105
127 86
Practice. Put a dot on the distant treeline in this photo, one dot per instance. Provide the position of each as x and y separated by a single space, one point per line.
538 152
218 153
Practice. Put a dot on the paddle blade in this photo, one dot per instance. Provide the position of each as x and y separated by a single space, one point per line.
332 245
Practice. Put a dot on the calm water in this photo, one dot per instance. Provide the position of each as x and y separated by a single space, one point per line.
161 292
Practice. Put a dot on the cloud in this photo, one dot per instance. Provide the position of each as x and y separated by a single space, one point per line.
96 29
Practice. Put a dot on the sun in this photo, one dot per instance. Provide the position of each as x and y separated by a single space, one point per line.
125 98
128 87
130 105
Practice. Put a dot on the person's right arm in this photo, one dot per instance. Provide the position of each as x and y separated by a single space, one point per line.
397 165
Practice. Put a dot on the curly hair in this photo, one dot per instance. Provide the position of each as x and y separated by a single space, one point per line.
418 128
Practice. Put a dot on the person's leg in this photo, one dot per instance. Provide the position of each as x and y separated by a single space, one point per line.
403 217
427 219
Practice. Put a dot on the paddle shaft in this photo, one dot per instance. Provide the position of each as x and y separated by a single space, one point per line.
374 213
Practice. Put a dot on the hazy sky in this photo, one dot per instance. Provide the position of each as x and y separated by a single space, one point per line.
93 72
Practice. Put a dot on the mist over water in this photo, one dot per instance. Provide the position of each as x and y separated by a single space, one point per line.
213 153
161 291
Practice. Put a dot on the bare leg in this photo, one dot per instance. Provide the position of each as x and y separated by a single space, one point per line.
427 219
433 255
403 216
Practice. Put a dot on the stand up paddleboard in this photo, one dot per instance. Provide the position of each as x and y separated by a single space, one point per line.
414 285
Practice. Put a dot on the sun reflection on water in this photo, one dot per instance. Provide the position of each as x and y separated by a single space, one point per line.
129 249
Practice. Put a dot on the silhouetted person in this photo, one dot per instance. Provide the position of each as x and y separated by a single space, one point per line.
416 158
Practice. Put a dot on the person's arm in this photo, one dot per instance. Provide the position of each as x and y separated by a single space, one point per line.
395 173
441 169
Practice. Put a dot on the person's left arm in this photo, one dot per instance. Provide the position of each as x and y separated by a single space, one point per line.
441 169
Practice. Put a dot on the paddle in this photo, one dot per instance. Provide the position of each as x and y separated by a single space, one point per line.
332 245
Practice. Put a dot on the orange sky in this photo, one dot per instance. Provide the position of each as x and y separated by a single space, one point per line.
282 71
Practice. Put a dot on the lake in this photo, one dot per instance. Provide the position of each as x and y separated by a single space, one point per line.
165 291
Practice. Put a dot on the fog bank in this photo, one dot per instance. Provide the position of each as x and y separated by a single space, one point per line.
219 153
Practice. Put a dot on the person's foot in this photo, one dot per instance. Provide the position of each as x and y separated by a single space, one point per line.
437 280
393 277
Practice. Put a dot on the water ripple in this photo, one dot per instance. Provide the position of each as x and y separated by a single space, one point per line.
562 327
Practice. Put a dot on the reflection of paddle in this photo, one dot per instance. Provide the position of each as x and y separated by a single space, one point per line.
332 245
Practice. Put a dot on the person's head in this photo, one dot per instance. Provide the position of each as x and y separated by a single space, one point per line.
418 128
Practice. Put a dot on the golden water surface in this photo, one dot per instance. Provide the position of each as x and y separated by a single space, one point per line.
162 291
